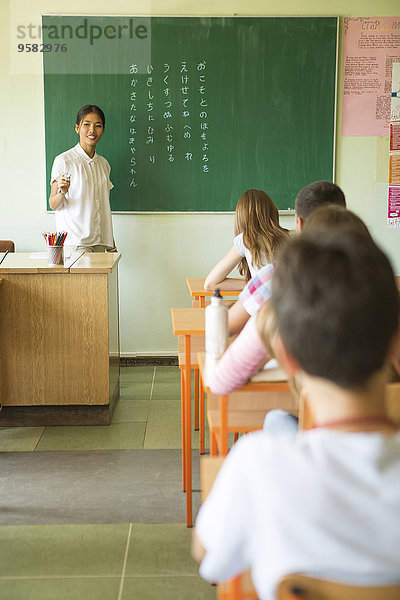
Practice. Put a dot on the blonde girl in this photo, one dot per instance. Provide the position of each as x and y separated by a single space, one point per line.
257 237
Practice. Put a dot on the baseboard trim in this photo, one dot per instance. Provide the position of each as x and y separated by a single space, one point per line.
149 360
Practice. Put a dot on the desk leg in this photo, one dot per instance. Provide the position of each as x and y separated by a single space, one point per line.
183 424
188 434
202 301
213 444
223 417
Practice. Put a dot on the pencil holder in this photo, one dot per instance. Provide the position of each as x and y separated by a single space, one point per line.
55 255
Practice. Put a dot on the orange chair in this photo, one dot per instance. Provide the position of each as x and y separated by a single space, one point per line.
392 400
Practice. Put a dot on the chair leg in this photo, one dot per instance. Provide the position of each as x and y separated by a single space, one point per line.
202 412
213 444
196 399
235 588
236 436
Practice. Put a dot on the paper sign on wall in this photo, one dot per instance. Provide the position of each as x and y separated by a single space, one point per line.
370 47
394 152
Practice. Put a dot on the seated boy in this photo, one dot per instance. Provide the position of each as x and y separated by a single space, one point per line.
323 502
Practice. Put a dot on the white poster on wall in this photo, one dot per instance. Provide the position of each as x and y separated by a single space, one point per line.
394 152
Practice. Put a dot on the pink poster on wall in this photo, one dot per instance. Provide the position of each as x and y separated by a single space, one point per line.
394 206
370 47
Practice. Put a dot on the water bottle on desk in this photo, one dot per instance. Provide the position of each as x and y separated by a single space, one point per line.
216 330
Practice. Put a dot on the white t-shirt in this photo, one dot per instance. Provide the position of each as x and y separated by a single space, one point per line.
243 251
85 212
319 502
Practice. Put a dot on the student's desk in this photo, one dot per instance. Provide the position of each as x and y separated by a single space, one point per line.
230 287
187 322
250 386
59 334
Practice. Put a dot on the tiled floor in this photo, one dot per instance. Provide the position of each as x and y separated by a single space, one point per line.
97 512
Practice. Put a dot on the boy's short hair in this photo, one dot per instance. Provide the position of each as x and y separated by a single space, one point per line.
333 217
336 305
319 193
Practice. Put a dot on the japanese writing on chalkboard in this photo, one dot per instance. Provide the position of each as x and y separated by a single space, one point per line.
168 118
203 114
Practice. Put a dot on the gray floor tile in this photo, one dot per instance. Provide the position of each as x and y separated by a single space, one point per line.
137 373
161 434
60 588
63 550
131 411
167 588
106 486
167 374
166 389
19 439
165 410
107 437
150 550
135 390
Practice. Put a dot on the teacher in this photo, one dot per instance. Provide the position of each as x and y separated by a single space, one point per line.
80 187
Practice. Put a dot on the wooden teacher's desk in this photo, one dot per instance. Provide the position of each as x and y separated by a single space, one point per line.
59 334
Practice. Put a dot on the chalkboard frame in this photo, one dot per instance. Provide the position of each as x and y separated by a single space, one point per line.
284 211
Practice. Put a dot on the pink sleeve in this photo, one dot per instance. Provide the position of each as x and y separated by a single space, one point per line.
239 362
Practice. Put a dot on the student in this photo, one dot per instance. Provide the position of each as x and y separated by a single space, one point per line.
80 187
248 353
326 501
257 291
257 237
314 195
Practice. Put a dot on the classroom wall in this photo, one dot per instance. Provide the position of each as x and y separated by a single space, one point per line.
160 251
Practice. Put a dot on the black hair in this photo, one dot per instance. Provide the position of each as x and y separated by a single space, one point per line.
336 305
319 193
89 108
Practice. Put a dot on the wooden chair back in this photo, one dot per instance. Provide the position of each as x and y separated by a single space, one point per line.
392 400
7 246
301 587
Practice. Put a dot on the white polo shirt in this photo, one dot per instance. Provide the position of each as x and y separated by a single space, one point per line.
85 212
320 502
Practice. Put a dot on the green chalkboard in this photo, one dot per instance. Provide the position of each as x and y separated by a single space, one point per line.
198 109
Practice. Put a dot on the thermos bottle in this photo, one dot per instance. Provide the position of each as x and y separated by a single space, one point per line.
216 327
